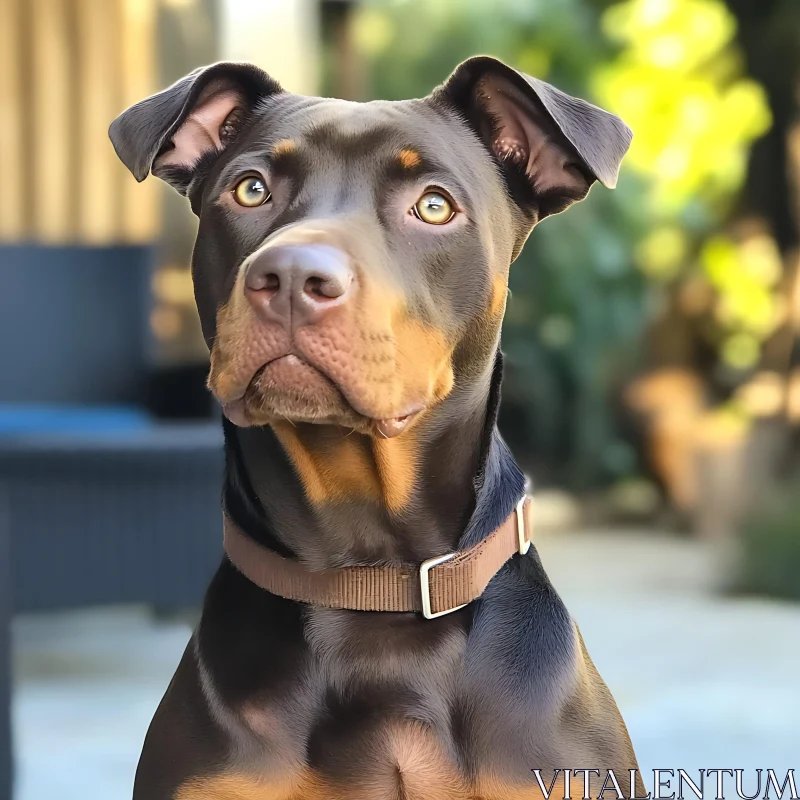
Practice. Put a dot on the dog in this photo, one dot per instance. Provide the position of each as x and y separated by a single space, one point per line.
351 272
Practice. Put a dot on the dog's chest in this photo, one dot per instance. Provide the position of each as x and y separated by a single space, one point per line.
397 714
360 724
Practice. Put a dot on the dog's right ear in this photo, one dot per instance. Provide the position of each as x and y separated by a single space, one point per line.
170 132
549 146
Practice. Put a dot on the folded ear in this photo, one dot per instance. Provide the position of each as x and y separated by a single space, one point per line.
171 131
551 146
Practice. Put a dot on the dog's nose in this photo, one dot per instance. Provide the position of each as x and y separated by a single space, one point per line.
299 282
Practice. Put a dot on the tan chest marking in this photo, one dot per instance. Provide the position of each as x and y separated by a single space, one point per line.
413 781
489 787
407 763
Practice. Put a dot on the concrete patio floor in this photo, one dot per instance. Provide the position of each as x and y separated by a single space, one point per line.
702 681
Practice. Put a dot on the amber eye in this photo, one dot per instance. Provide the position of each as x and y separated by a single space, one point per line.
251 192
434 208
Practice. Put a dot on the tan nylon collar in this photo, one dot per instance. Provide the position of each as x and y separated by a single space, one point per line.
435 587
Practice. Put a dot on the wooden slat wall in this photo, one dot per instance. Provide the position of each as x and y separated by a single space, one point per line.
139 77
67 68
98 37
12 174
49 91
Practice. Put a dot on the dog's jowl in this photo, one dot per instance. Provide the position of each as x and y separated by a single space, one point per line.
350 272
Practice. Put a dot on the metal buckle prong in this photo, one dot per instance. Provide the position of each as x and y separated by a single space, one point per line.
425 587
524 544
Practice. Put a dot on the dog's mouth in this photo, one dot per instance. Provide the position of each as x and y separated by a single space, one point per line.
290 388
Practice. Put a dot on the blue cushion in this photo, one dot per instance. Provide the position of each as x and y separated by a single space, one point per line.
37 419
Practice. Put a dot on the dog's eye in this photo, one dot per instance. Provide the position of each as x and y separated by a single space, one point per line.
251 192
434 208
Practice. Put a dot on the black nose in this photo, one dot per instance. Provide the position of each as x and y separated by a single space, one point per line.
300 283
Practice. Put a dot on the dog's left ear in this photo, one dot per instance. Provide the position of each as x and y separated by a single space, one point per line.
170 132
550 146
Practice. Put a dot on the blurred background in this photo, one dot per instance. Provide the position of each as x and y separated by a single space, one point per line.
652 389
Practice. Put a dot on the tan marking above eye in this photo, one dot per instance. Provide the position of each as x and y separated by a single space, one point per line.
434 207
251 191
284 147
409 158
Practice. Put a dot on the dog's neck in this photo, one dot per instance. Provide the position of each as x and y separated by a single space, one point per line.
334 498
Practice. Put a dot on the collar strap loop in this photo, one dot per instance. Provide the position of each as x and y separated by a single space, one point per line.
436 587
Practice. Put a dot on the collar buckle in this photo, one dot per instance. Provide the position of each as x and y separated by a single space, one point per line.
524 543
425 587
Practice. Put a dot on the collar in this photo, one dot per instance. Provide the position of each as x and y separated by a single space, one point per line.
436 587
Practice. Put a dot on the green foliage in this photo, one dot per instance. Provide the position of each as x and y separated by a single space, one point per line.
678 82
587 282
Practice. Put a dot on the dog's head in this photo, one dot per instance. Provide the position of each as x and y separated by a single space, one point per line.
352 259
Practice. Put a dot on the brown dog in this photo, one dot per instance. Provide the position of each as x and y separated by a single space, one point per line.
351 274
